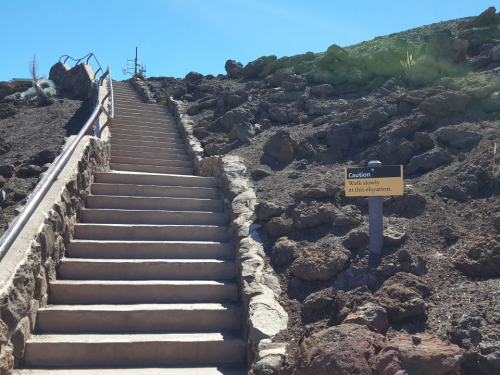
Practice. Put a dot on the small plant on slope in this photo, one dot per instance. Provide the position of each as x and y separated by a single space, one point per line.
495 169
44 89
407 63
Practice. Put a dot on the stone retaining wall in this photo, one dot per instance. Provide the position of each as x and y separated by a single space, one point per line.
263 316
32 260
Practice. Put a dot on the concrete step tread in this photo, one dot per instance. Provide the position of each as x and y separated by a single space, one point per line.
139 197
211 370
189 188
163 283
153 226
144 307
155 162
152 168
144 243
136 337
158 262
161 179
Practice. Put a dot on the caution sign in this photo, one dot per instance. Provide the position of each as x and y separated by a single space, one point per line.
374 181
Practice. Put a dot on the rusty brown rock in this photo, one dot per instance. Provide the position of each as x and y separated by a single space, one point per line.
482 258
343 349
402 295
422 354
369 314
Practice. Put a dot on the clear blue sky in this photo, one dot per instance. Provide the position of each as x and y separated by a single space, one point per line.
177 36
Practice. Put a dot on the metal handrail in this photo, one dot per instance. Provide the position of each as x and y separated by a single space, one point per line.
13 231
88 56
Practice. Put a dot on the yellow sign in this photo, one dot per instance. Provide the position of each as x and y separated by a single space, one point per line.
374 181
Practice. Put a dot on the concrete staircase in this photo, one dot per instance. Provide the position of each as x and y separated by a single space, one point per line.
148 285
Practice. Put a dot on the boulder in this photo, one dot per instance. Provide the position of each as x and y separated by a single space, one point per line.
193 76
339 136
319 264
6 170
356 239
281 146
445 103
392 237
344 349
347 216
482 258
294 82
402 296
324 90
318 305
372 118
404 262
280 112
422 354
244 131
279 226
458 138
234 69
311 213
371 315
268 210
283 252
315 191
254 68
484 19
235 116
428 161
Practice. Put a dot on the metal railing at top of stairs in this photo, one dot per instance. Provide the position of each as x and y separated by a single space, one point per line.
15 228
87 57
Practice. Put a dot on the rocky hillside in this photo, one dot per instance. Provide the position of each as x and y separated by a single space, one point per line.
31 136
427 98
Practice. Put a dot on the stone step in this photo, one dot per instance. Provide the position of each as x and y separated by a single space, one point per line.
153 217
157 162
148 138
155 179
159 144
150 250
163 150
131 110
144 118
145 318
151 232
154 191
151 168
216 369
134 126
130 120
146 269
134 349
154 203
150 155
122 130
76 292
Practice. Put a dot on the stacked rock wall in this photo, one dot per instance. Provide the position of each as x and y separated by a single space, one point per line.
25 291
263 316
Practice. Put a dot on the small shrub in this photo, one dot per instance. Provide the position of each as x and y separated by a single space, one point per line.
30 93
50 91
407 63
46 83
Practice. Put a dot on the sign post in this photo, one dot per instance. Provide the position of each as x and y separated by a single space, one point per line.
375 182
376 219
